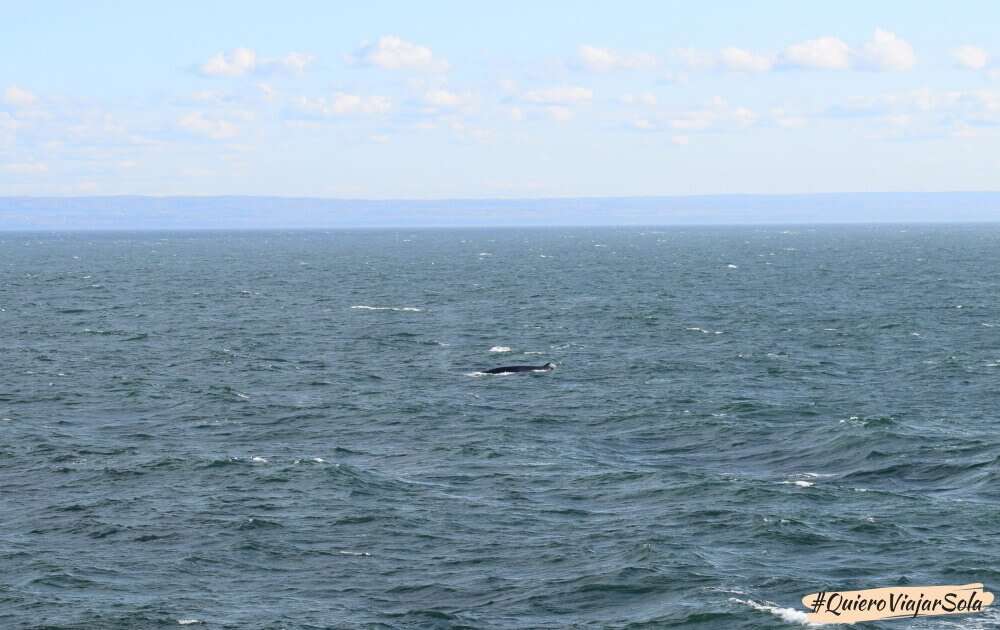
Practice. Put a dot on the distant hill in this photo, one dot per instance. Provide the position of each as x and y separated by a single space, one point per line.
135 213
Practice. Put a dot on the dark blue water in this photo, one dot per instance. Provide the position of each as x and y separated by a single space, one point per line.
286 430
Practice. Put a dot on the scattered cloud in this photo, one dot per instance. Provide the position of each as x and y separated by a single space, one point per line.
971 57
342 104
717 113
887 52
559 113
695 59
267 91
244 61
925 113
393 53
740 60
560 95
647 98
730 58
214 128
292 63
596 59
824 53
470 132
19 97
787 120
445 99
237 63
26 168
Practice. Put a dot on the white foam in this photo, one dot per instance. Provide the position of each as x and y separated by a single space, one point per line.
354 553
485 254
258 460
319 460
722 589
532 352
188 622
790 615
365 307
732 266
800 483
703 330
500 349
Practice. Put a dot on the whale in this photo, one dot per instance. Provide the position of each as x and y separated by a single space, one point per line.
511 369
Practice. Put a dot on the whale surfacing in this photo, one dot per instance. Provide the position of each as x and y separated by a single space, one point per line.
511 369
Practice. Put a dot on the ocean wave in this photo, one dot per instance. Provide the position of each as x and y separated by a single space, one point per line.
410 309
790 615
500 349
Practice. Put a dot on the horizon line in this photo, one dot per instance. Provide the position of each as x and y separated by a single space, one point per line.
522 198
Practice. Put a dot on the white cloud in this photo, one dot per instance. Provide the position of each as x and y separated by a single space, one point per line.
237 63
695 59
26 168
560 95
444 98
680 140
887 51
648 99
926 113
597 59
342 104
783 118
292 63
467 132
8 123
267 91
717 113
729 58
826 53
559 113
243 61
214 128
971 57
19 97
922 100
393 53
740 60
208 96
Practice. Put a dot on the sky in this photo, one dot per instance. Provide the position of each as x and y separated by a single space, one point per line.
428 100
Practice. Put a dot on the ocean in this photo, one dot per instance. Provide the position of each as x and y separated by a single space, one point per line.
291 429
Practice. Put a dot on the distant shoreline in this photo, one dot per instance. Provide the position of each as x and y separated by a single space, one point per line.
262 213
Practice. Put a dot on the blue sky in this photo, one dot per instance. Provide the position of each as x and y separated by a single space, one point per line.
515 99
